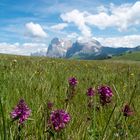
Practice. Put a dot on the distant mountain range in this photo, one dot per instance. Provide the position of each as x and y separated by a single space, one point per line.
81 49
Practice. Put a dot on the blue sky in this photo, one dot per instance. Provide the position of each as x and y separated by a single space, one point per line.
29 25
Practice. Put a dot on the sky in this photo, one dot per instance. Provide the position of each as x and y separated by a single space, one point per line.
28 26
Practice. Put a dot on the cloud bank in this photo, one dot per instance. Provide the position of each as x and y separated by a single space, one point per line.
59 26
21 49
129 41
78 18
35 30
120 17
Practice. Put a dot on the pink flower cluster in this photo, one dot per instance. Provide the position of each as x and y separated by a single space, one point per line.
21 112
90 92
105 93
58 119
127 111
72 81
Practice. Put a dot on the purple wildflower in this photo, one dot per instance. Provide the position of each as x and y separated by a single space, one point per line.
50 105
90 92
105 94
21 112
105 91
73 81
127 111
58 119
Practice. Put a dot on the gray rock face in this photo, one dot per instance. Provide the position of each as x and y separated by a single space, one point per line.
84 46
58 48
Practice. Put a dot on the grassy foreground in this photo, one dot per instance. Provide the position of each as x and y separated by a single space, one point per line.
39 80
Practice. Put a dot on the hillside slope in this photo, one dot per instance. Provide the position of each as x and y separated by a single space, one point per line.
134 56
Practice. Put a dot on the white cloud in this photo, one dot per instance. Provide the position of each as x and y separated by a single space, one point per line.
78 18
121 17
72 35
124 41
35 30
21 49
59 26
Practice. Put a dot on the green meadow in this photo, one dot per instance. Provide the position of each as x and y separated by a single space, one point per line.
133 56
38 80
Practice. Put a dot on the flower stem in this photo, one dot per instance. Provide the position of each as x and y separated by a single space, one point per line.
3 119
108 121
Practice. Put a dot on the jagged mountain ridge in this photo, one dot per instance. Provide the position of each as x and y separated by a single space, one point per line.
88 46
81 49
